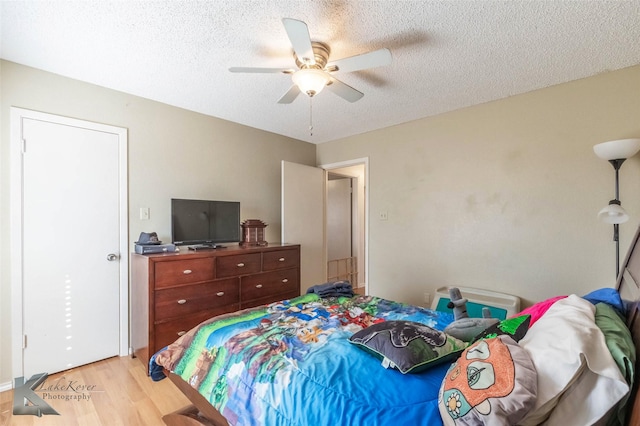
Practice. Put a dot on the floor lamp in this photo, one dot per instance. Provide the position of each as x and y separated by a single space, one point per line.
616 152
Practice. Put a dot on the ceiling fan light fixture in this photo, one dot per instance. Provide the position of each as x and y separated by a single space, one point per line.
310 80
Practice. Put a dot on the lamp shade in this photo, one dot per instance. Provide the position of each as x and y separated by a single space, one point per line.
618 149
310 80
613 213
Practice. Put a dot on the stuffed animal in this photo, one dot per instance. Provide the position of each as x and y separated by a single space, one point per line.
457 303
463 327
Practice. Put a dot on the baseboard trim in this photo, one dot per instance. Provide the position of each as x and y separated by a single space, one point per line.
6 386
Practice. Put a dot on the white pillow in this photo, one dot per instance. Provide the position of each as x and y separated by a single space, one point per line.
578 380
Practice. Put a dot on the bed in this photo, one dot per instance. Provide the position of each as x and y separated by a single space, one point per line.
363 360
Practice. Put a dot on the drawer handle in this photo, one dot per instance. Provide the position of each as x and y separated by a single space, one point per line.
240 265
220 293
285 280
182 301
259 286
281 259
187 271
182 333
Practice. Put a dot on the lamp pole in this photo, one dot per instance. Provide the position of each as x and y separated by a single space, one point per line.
616 234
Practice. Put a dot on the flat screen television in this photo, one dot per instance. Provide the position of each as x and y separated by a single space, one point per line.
204 222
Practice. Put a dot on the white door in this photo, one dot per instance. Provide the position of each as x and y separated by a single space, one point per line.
303 219
71 245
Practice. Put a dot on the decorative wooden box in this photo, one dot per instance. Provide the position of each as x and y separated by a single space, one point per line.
253 233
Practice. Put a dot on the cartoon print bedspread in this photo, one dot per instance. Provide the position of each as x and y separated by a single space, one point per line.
290 363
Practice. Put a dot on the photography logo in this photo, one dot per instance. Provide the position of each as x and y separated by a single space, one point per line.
25 400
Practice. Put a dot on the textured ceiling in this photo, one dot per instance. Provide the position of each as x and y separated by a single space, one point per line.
446 54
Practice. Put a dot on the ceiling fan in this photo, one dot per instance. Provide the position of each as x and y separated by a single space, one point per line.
314 71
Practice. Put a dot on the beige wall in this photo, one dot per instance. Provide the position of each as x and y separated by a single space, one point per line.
501 196
172 153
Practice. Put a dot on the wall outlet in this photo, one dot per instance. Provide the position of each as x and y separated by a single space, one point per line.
427 297
384 216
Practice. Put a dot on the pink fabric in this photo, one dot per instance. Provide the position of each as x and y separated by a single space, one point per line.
538 310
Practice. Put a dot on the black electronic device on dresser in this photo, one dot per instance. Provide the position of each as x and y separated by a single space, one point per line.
205 224
160 248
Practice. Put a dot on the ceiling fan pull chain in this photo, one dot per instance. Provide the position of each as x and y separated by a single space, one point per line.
310 116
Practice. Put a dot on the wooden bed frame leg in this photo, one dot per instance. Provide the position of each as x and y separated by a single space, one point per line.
188 416
200 413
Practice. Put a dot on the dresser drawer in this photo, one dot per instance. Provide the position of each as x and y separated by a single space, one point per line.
269 284
181 301
281 259
183 271
241 264
167 332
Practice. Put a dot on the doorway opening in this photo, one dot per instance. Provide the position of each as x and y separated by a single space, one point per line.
346 223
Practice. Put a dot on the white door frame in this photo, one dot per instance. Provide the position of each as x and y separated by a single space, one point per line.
16 223
356 162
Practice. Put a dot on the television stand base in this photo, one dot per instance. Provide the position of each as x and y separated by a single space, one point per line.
206 246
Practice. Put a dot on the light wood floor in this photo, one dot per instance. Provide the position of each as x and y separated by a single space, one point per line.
123 395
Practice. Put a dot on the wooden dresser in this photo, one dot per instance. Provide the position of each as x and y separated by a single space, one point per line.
173 292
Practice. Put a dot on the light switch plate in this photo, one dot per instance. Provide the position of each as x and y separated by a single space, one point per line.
144 213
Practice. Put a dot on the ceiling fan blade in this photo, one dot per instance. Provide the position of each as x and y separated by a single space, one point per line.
290 96
261 70
344 90
377 58
300 40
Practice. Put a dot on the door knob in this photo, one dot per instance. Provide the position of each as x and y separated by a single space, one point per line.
111 257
